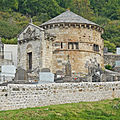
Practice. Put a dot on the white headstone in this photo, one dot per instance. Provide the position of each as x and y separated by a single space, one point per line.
118 51
8 70
117 64
46 77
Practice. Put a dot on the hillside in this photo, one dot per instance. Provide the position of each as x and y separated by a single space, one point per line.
15 14
102 110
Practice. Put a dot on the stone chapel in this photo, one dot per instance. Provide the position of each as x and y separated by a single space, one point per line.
48 45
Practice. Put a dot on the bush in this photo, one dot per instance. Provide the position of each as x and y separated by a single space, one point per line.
109 67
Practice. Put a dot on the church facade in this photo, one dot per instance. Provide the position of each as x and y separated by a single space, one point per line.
50 44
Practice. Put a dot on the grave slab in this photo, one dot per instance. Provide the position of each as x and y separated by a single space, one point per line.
46 77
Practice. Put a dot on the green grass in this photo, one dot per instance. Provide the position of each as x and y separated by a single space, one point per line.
102 110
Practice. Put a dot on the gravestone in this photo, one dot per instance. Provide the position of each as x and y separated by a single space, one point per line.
45 70
8 70
21 74
105 50
68 74
46 77
68 68
7 73
118 51
117 63
59 74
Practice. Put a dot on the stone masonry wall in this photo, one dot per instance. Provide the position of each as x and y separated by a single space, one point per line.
85 37
31 44
111 59
22 96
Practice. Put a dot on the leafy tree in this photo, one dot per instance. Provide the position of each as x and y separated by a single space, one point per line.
8 30
111 46
9 41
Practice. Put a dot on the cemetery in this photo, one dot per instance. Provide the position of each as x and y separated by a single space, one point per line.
60 61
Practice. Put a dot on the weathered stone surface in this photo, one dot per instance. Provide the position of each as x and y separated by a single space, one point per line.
45 70
23 96
21 74
111 59
46 77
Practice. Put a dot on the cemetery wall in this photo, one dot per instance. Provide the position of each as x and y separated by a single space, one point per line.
16 96
111 59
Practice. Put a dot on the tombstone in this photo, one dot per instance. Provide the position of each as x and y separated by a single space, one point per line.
68 68
117 63
95 78
46 77
8 70
21 74
105 50
118 51
45 70
7 73
59 74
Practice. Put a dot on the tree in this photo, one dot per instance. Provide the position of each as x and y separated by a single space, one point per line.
111 46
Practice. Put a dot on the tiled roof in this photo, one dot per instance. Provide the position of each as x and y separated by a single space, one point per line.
68 17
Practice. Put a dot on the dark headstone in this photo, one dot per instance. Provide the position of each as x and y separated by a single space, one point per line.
59 72
45 70
68 68
59 76
68 79
21 74
105 50
95 78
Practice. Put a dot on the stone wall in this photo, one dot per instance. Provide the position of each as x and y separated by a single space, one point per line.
16 96
84 37
31 44
111 58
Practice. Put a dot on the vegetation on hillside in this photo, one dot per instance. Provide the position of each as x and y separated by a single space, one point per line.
15 14
102 110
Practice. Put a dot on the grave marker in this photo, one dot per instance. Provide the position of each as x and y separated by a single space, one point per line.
21 74
46 77
45 70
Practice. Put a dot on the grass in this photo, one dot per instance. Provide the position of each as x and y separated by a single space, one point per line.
102 110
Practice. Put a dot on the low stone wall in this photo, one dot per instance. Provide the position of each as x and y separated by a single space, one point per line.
16 96
111 59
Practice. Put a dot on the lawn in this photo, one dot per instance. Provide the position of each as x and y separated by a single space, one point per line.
102 110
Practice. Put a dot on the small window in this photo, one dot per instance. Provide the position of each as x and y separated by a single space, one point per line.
96 48
73 45
30 61
0 69
76 44
61 45
57 44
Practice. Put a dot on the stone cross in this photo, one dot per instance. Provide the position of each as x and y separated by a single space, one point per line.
68 68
